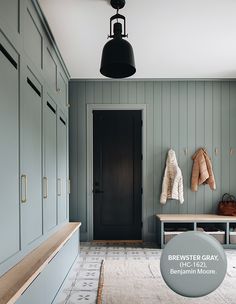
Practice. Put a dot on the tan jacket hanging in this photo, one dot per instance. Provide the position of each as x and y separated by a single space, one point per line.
202 172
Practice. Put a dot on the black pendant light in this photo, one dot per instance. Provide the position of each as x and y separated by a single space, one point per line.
117 56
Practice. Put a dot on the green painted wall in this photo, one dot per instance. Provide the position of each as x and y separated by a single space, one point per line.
184 115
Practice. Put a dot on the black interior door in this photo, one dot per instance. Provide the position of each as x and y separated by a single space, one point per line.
117 188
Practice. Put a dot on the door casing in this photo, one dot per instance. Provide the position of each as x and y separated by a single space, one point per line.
90 109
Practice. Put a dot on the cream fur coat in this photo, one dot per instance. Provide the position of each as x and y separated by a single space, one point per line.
172 186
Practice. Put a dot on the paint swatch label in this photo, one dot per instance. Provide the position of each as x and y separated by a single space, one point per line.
193 264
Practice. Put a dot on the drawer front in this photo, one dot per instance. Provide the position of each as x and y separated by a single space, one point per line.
45 287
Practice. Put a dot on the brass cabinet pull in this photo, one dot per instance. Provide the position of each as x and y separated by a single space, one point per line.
45 187
59 186
24 190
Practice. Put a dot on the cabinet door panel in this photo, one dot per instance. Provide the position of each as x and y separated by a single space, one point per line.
9 13
62 84
50 166
33 40
51 69
62 169
9 152
31 163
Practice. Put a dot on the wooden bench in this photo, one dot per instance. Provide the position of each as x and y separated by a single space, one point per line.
14 282
192 221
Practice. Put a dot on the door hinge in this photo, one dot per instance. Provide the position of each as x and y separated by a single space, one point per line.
141 156
141 190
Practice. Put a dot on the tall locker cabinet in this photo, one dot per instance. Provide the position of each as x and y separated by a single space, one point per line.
31 161
50 166
62 168
9 151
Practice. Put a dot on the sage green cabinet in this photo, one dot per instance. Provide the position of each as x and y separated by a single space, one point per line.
62 168
62 90
33 39
9 14
44 288
9 151
31 161
50 165
50 69
33 138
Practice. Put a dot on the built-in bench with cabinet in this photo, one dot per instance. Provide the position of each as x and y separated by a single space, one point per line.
223 228
38 276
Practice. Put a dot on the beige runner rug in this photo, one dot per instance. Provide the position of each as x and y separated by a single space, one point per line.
140 282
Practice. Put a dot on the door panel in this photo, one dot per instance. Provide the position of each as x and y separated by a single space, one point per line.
51 69
50 166
31 162
62 85
9 160
117 174
62 169
9 12
33 40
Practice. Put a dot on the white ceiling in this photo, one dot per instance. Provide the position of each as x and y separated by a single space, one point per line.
170 38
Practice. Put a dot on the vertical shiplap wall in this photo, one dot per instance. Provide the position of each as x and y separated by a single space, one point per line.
184 115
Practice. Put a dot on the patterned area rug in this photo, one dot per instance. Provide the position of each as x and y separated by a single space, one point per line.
81 285
140 282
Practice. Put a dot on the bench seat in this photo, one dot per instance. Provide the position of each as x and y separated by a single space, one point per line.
19 278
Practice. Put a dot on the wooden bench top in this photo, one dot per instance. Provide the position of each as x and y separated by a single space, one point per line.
195 218
14 282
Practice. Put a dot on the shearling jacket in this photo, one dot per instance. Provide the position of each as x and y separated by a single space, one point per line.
202 172
172 186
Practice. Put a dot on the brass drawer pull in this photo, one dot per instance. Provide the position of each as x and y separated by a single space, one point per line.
24 190
59 186
45 187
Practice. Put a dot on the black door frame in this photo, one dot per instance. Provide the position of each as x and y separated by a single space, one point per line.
88 230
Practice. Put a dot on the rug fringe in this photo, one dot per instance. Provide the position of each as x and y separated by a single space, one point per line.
100 283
